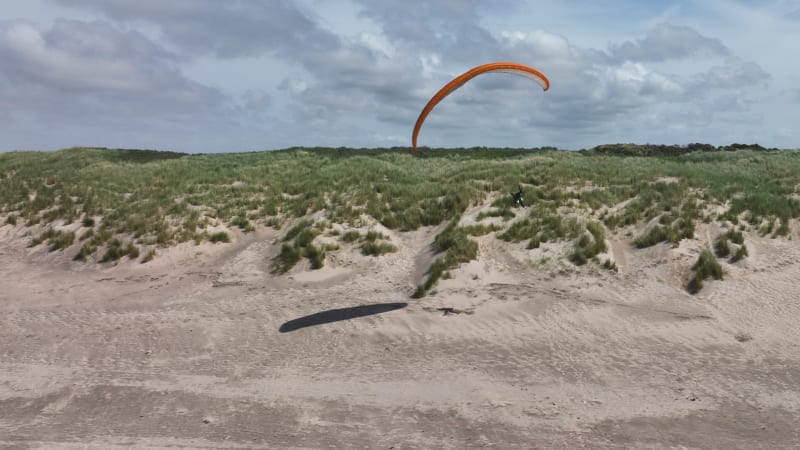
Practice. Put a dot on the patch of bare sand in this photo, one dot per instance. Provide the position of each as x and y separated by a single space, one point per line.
188 351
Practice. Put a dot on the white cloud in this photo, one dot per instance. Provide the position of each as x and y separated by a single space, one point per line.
541 44
282 73
667 42
256 100
79 56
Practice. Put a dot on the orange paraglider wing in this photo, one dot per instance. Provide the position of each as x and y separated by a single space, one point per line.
507 67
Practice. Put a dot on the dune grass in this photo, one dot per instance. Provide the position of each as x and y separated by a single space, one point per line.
156 199
706 267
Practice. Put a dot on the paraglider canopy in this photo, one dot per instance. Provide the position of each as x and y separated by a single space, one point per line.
506 67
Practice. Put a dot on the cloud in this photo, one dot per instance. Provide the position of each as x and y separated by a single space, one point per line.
795 15
594 91
256 100
733 74
226 29
447 27
78 56
342 74
87 61
668 42
389 76
364 73
90 75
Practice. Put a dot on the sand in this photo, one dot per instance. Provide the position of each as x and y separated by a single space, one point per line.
205 348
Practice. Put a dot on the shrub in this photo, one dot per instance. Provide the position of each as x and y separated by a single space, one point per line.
243 224
434 273
305 237
132 250
351 236
419 292
286 259
458 249
377 248
113 252
45 235
589 245
740 254
610 265
149 256
578 257
681 228
735 236
85 252
706 266
372 236
297 229
219 236
11 219
316 256
504 212
722 248
480 230
87 222
520 231
61 240
655 235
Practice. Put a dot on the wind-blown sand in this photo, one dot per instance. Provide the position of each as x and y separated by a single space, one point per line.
205 348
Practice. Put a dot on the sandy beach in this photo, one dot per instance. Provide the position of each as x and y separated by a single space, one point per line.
204 347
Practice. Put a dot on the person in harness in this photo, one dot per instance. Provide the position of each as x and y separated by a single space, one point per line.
517 196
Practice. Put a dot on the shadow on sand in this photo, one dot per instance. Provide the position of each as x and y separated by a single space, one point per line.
335 315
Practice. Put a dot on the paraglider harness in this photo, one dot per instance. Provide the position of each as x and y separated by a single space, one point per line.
517 196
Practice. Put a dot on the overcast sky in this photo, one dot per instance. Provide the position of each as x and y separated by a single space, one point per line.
241 75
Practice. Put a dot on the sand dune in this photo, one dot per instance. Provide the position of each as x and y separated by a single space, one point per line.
204 348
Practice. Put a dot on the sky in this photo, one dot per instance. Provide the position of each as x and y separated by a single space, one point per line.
245 75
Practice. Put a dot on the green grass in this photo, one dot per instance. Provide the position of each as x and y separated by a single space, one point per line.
377 248
286 259
149 256
56 239
456 248
157 199
117 250
706 267
504 212
85 252
723 249
741 253
315 255
219 236
351 236
589 244
299 243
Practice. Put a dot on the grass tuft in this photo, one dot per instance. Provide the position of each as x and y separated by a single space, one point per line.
706 267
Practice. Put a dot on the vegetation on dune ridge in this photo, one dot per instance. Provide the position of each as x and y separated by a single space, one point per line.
102 204
706 267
